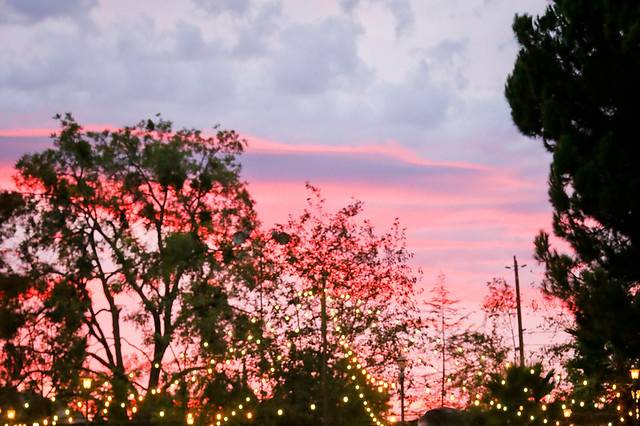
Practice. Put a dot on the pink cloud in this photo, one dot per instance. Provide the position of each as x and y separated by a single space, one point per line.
463 219
391 149
47 131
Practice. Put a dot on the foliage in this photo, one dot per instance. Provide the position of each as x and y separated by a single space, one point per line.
332 305
499 308
575 86
475 355
121 242
517 395
134 257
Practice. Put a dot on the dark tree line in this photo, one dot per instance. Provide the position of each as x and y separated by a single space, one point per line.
135 258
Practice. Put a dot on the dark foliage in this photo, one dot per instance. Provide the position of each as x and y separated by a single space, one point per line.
575 86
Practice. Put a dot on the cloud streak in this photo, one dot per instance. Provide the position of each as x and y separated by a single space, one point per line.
464 219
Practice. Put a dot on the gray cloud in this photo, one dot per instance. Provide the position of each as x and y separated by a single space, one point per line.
255 34
403 13
234 7
361 167
277 71
311 59
12 148
33 11
417 101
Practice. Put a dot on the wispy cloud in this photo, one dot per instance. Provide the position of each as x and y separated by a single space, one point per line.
463 219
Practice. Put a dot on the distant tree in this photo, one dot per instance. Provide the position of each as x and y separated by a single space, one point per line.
474 355
120 262
477 352
575 86
499 308
445 320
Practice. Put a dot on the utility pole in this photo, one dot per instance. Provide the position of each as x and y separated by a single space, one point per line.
444 351
519 308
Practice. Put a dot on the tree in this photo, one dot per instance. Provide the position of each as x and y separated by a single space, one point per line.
574 85
477 352
120 263
499 307
446 320
518 394
474 355
340 317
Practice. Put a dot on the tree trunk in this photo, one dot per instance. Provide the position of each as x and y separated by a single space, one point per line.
323 367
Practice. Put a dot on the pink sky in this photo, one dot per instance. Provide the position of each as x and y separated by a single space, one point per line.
397 103
463 219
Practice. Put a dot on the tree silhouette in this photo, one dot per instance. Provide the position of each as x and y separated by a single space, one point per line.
517 395
499 307
346 305
120 260
574 86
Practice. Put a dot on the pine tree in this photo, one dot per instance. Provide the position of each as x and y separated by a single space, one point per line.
575 87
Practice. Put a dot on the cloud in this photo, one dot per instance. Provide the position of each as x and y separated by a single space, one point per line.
297 72
311 59
349 5
418 101
255 34
403 14
34 11
12 147
401 11
233 7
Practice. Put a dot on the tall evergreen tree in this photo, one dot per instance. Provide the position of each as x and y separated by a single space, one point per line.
575 87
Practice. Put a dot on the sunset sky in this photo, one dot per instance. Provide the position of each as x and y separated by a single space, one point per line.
398 103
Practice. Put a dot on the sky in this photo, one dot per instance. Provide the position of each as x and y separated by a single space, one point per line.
398 103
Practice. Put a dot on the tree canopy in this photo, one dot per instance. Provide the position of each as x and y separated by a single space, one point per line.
575 87
116 231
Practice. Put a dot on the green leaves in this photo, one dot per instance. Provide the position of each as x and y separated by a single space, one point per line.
166 161
180 248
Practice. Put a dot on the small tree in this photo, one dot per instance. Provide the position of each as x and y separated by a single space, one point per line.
476 353
474 356
518 395
499 307
445 319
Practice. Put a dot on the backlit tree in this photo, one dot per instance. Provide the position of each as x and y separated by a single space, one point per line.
120 262
341 316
